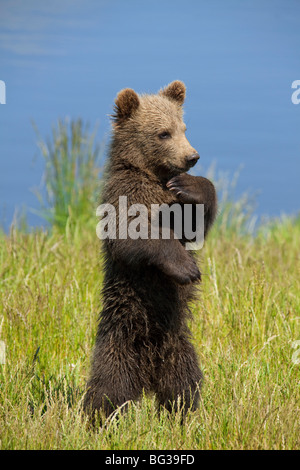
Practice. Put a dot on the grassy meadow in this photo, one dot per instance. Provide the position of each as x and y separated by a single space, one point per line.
245 329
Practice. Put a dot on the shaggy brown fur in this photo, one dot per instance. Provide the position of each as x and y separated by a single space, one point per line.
143 342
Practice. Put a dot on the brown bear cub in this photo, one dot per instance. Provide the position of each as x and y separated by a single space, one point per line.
143 341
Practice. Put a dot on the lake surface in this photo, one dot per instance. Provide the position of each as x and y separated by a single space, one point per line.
237 59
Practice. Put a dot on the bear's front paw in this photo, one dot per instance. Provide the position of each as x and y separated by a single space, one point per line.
189 273
186 188
184 272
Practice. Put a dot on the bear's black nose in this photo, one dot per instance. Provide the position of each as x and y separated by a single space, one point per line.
192 159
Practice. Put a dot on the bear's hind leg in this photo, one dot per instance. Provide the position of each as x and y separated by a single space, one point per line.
179 378
115 379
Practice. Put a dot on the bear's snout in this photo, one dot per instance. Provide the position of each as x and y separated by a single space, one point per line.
191 160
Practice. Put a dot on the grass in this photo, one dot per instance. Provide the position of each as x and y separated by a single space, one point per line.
245 324
72 169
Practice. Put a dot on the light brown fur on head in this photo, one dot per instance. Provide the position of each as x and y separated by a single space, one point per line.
150 130
126 103
175 91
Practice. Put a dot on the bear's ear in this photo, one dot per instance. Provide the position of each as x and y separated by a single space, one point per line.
126 103
175 91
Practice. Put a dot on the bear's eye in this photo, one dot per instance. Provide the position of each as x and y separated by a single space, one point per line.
164 135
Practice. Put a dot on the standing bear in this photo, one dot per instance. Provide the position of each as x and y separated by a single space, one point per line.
143 341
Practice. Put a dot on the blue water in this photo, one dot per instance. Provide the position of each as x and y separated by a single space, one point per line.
237 58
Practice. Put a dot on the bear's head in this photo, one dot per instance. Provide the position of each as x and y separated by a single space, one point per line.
151 131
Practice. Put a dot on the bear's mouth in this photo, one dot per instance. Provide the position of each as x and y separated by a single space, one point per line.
167 171
176 170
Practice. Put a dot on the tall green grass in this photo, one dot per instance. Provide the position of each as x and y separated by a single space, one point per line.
245 325
72 174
